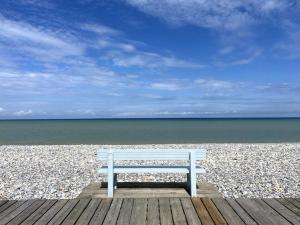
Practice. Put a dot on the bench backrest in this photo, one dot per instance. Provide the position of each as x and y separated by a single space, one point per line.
151 154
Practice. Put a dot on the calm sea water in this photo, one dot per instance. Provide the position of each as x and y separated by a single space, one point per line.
148 131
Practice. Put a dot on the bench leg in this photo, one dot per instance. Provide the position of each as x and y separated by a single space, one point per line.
110 185
193 176
110 176
193 184
188 181
116 180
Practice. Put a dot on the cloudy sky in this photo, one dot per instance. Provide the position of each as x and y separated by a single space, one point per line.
149 58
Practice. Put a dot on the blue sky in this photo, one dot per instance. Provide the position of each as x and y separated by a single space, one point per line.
149 58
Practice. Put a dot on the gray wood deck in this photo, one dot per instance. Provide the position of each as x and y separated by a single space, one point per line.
152 211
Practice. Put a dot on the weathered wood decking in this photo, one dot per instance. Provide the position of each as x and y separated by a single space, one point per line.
152 211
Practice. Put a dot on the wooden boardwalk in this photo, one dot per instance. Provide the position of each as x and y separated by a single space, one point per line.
152 211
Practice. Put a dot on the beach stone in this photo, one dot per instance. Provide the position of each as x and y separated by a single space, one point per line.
237 170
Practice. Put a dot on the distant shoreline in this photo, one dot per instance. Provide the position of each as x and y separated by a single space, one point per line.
166 118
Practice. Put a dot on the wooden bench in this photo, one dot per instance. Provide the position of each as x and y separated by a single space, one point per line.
190 155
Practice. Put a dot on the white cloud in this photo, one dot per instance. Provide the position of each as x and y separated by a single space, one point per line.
279 88
127 53
25 32
226 50
15 74
83 112
110 44
165 86
1 109
238 55
28 80
167 113
271 5
214 84
16 82
101 29
39 3
23 113
233 19
208 86
151 113
22 37
289 47
149 59
247 60
218 14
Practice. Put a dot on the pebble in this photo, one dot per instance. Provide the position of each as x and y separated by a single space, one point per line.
237 170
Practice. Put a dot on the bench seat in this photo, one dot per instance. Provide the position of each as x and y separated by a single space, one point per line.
150 169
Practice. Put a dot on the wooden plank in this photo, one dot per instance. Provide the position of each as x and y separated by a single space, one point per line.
14 210
153 212
113 212
151 154
214 212
51 212
190 212
101 212
88 213
2 202
165 212
150 192
289 205
150 169
139 212
6 205
64 212
283 211
241 212
38 213
26 212
202 212
294 202
270 212
261 212
125 212
177 212
254 211
227 212
76 212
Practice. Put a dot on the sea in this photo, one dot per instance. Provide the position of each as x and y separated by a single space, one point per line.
149 131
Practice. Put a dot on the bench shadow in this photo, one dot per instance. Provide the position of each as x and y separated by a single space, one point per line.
149 185
147 190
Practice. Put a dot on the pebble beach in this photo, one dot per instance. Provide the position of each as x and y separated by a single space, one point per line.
237 170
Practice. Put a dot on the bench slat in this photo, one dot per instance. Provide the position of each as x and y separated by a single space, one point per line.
151 169
148 154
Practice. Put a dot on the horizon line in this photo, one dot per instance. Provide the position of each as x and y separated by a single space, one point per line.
154 118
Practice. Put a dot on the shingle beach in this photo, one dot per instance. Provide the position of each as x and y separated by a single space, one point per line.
62 171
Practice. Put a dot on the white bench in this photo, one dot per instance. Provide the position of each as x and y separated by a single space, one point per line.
191 155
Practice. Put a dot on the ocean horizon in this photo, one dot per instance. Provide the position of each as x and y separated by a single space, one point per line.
149 131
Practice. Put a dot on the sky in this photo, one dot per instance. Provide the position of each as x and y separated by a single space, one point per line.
149 58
